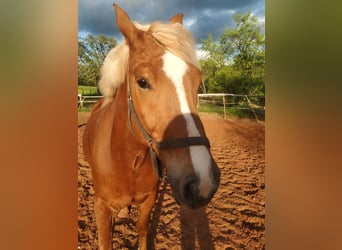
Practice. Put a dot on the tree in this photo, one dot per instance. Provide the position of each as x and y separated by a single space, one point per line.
215 53
248 45
240 58
209 66
92 51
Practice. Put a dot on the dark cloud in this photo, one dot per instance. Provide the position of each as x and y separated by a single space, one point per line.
200 16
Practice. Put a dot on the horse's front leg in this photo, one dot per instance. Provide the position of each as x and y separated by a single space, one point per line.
144 217
103 217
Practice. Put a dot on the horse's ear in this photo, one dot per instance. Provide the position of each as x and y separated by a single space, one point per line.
177 19
125 24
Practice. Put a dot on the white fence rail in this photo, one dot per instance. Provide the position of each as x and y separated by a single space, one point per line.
225 100
87 99
234 100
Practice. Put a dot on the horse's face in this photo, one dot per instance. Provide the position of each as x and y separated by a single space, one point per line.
164 92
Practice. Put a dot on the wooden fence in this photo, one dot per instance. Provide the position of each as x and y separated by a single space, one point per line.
221 100
84 100
226 101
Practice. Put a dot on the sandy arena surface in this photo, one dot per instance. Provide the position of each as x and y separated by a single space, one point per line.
234 219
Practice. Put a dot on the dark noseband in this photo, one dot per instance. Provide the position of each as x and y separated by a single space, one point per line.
165 144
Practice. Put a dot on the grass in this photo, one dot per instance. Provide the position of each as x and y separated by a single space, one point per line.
233 111
210 109
86 108
88 90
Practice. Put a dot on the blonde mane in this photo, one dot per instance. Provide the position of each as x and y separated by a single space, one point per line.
173 37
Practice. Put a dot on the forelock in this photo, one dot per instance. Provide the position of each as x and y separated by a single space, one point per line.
176 39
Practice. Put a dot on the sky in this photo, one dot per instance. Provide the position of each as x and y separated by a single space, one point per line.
201 17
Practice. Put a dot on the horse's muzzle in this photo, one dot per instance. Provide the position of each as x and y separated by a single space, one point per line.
189 192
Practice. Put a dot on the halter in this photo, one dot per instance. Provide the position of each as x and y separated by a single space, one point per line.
165 144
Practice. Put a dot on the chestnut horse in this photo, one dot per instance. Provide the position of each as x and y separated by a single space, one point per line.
148 120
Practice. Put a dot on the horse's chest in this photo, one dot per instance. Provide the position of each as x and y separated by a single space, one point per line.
140 197
125 178
146 181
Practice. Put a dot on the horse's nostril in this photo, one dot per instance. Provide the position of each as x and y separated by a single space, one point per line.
191 191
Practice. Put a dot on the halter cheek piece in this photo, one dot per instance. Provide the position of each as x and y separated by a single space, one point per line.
165 144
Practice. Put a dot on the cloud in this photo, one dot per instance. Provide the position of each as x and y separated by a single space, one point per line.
200 16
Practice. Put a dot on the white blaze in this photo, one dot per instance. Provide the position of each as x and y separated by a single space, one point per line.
175 68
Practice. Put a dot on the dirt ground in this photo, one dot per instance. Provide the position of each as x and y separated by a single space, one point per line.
235 217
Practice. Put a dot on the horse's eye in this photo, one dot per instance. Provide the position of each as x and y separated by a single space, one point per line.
143 83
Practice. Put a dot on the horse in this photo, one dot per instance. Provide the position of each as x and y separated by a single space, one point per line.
145 123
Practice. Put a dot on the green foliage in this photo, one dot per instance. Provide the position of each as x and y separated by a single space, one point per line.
235 64
92 51
215 52
209 68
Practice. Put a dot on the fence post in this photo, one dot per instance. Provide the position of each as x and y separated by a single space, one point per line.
198 99
250 105
224 107
81 100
